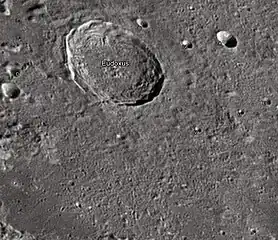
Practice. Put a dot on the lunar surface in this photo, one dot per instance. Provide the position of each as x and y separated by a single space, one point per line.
138 120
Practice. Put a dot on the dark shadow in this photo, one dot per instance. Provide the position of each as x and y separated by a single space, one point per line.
156 89
144 24
151 96
14 92
231 43
35 7
189 46
2 8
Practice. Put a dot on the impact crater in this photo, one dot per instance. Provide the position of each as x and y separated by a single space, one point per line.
113 64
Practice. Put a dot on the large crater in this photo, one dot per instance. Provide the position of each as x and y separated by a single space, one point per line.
113 63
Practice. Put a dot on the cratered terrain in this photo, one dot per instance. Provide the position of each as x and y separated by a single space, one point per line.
138 120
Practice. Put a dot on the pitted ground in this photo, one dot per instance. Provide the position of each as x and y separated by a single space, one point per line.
96 41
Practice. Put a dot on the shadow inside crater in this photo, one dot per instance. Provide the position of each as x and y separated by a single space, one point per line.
151 96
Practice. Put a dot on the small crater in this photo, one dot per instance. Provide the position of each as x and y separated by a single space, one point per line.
197 130
142 23
240 112
226 39
13 70
187 44
266 101
223 233
10 90
31 18
253 231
